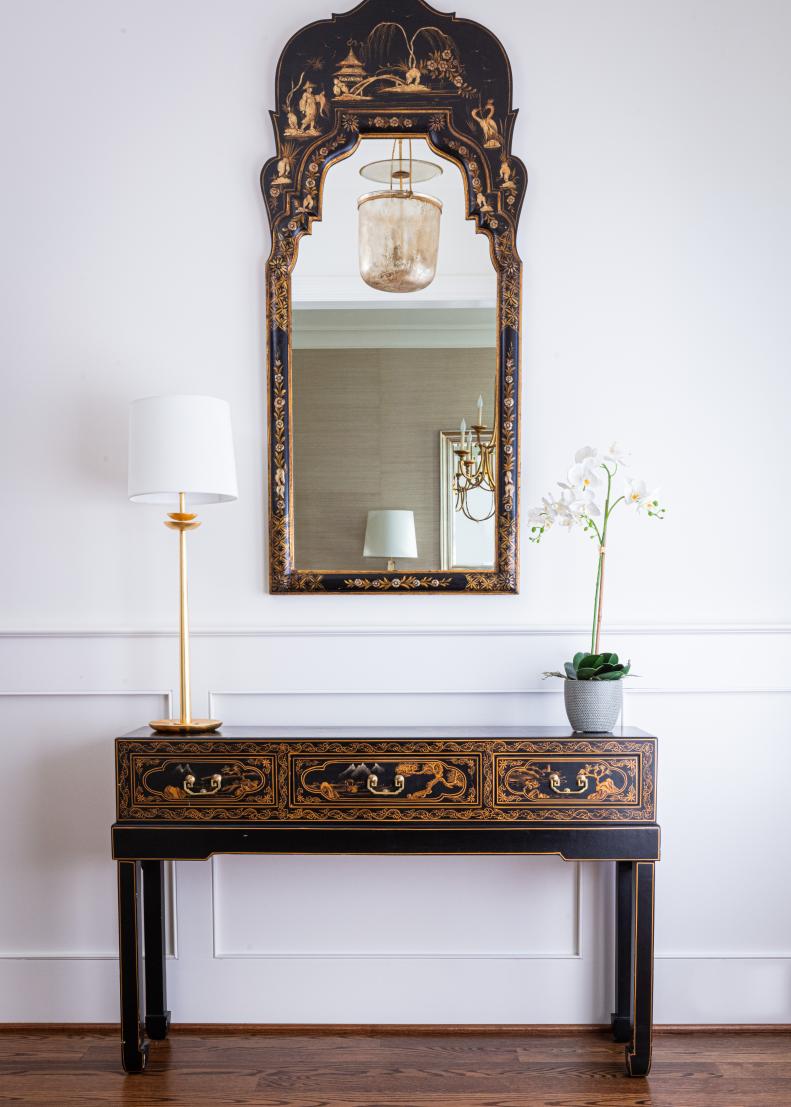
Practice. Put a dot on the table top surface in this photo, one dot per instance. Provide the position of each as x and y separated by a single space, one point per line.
405 732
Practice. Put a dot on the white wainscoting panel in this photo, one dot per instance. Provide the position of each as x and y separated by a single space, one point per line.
57 811
387 907
391 707
725 816
471 987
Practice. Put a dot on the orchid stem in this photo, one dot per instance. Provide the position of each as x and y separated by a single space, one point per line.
595 606
599 590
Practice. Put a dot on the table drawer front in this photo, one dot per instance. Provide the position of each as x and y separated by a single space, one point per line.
198 781
362 778
574 780
568 781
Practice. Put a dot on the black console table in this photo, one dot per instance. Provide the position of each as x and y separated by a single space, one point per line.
442 790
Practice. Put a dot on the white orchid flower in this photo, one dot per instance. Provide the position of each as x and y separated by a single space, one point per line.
585 504
542 517
616 455
652 502
586 475
637 495
561 508
586 453
573 508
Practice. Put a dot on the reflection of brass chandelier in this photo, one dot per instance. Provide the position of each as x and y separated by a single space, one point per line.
399 228
475 465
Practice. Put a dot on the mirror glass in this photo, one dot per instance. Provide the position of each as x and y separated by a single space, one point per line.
393 392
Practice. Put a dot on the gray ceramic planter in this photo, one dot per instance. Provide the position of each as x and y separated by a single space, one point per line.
593 706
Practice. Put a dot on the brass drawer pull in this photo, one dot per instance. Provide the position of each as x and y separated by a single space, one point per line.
215 782
373 780
582 784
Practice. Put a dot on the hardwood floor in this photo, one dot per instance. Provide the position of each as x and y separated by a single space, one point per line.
80 1068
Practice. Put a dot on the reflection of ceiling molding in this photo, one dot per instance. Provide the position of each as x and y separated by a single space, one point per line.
393 303
393 328
346 287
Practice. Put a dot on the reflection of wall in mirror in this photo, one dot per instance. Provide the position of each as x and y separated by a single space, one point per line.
464 543
473 542
366 428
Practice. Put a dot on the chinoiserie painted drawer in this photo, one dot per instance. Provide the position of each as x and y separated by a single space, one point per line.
562 780
193 779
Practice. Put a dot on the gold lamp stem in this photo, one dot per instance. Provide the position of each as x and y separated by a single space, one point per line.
184 622
182 521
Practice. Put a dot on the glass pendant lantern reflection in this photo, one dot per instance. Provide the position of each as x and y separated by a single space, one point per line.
398 234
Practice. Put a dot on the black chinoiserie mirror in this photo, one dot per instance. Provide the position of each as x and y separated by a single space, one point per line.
393 307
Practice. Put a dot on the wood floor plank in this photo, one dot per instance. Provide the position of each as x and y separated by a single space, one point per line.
81 1069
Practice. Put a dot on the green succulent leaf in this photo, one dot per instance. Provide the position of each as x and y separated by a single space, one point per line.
596 666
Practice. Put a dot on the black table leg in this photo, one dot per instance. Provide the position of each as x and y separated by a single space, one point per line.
620 1019
157 1014
638 1052
134 1048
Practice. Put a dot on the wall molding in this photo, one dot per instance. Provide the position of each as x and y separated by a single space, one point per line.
42 956
722 956
412 631
166 693
549 690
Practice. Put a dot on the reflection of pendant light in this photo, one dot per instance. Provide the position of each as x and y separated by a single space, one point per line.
398 228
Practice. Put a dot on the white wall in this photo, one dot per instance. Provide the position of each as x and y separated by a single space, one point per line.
656 246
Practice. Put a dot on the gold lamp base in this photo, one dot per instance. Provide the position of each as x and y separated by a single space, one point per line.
176 726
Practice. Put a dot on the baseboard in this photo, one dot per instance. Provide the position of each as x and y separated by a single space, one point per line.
376 1030
723 1028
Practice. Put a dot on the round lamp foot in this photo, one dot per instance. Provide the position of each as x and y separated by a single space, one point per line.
176 726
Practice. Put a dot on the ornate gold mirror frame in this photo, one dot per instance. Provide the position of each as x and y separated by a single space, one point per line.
388 69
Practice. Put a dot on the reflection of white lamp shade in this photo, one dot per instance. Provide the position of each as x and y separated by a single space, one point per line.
181 444
390 533
398 239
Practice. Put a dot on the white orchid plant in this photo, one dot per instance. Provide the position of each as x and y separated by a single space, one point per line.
587 499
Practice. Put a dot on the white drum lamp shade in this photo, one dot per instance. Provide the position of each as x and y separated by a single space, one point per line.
181 444
390 533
